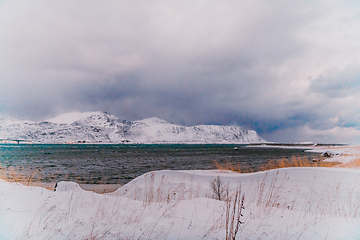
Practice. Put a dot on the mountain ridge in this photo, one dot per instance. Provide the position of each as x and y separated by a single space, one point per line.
103 127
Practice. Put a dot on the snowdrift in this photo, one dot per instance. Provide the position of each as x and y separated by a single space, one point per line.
289 203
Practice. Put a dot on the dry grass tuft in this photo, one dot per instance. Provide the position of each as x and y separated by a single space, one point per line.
16 174
235 168
28 176
25 177
295 161
353 164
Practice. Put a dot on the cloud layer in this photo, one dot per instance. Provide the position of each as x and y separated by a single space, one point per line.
289 70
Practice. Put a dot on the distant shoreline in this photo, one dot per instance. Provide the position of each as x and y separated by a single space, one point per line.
262 144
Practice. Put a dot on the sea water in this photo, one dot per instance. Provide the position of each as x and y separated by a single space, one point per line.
120 163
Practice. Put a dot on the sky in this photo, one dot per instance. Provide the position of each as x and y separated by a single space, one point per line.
289 70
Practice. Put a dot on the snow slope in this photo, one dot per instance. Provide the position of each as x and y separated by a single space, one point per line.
103 127
290 203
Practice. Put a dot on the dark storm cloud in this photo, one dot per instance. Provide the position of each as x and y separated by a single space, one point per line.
267 66
338 83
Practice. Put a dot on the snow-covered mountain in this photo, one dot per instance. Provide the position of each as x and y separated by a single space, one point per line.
96 127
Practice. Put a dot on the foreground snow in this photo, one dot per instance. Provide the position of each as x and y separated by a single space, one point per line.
290 203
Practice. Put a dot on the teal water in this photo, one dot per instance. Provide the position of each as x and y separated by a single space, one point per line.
120 163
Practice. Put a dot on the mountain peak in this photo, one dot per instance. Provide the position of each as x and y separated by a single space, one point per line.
153 121
69 118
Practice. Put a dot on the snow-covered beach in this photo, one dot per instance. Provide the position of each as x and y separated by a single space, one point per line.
179 119
287 203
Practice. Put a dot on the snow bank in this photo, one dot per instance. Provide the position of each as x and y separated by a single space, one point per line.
290 203
341 154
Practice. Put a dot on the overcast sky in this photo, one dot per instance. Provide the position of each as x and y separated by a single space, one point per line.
288 69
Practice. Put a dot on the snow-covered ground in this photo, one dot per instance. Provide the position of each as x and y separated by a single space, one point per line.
342 154
289 203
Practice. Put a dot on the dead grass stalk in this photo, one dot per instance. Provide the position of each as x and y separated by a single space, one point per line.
294 161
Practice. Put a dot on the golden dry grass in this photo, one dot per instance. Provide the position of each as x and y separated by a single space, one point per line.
23 176
295 161
352 164
29 177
